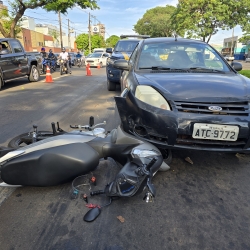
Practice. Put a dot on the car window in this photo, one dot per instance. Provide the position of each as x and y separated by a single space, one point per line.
125 46
5 47
16 46
95 55
181 55
133 55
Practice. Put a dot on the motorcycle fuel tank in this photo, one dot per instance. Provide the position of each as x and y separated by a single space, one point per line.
50 166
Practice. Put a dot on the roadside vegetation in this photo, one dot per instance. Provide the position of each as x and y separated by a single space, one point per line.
245 72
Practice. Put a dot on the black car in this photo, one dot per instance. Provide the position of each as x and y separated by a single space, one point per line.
181 93
122 50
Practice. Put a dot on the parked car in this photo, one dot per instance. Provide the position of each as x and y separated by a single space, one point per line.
189 101
95 59
229 58
15 62
122 50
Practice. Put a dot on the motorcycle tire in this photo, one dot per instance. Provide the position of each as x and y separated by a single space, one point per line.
61 70
26 139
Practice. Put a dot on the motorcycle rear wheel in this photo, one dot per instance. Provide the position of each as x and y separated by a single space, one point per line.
26 139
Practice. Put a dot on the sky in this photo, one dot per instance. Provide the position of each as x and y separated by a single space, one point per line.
118 16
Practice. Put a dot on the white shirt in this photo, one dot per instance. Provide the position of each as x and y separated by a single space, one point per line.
64 55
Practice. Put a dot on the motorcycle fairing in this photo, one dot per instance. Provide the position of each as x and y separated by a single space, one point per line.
50 166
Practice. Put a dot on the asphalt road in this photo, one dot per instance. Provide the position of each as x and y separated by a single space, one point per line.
204 205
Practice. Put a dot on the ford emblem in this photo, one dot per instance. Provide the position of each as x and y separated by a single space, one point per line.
215 108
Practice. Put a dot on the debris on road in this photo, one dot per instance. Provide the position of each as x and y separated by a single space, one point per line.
120 218
189 160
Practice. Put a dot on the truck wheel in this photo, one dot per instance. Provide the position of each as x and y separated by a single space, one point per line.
111 85
34 74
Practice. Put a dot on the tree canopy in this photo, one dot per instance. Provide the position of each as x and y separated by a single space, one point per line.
156 22
18 7
112 40
82 42
202 18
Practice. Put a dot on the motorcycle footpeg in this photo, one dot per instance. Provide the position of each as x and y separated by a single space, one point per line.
148 197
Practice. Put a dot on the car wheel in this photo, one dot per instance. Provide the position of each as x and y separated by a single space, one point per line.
167 155
111 85
34 74
1 82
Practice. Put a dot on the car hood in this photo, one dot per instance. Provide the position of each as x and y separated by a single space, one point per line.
197 86
120 55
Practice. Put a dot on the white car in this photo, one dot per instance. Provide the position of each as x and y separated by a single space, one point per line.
229 58
96 59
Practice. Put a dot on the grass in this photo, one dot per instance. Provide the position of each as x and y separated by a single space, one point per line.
245 72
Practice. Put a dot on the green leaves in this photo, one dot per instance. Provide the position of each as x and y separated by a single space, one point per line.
82 42
156 22
18 7
111 41
202 18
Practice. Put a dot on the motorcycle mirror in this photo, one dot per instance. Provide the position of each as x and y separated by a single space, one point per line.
92 214
151 188
91 121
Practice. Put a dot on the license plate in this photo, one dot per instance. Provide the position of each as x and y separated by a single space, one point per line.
215 132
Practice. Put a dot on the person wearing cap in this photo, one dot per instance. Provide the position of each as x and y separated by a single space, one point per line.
65 56
43 53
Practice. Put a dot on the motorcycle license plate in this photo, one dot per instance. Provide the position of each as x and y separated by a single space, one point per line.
215 132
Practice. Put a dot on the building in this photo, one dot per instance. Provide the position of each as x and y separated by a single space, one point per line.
238 49
98 29
28 23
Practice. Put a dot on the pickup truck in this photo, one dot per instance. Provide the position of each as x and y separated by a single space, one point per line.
16 63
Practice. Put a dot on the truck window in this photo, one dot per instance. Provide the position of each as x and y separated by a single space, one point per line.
5 47
16 46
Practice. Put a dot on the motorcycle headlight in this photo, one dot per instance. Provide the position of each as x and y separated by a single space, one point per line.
151 96
143 153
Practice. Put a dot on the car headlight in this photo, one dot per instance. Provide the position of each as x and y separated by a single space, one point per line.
152 97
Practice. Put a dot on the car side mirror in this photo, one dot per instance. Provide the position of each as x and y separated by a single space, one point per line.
109 50
121 64
236 66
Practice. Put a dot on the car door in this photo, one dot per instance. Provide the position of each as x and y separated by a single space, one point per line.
6 61
21 59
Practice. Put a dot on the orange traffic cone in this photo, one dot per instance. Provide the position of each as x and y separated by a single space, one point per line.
48 75
98 66
88 70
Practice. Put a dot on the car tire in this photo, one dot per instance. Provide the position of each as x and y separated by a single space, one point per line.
167 155
111 86
34 74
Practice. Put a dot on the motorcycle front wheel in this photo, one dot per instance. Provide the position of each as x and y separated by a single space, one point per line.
61 70
26 139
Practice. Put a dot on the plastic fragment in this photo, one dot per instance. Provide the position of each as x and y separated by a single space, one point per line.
120 218
189 160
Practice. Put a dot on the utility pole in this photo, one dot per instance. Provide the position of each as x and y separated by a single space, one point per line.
231 54
89 35
60 25
69 45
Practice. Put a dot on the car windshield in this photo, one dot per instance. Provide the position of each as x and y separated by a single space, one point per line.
178 55
95 55
125 46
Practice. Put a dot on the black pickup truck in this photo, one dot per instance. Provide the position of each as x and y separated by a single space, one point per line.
15 62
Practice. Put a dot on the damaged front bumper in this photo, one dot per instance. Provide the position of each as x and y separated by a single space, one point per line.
173 129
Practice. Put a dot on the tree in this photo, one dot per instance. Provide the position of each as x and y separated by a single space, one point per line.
203 18
112 40
18 7
82 42
156 22
6 20
55 34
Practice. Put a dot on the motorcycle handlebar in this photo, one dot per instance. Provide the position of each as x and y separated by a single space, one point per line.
97 192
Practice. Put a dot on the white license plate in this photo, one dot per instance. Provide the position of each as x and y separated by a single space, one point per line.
215 132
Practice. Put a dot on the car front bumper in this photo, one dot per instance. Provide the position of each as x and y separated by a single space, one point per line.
113 74
173 129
